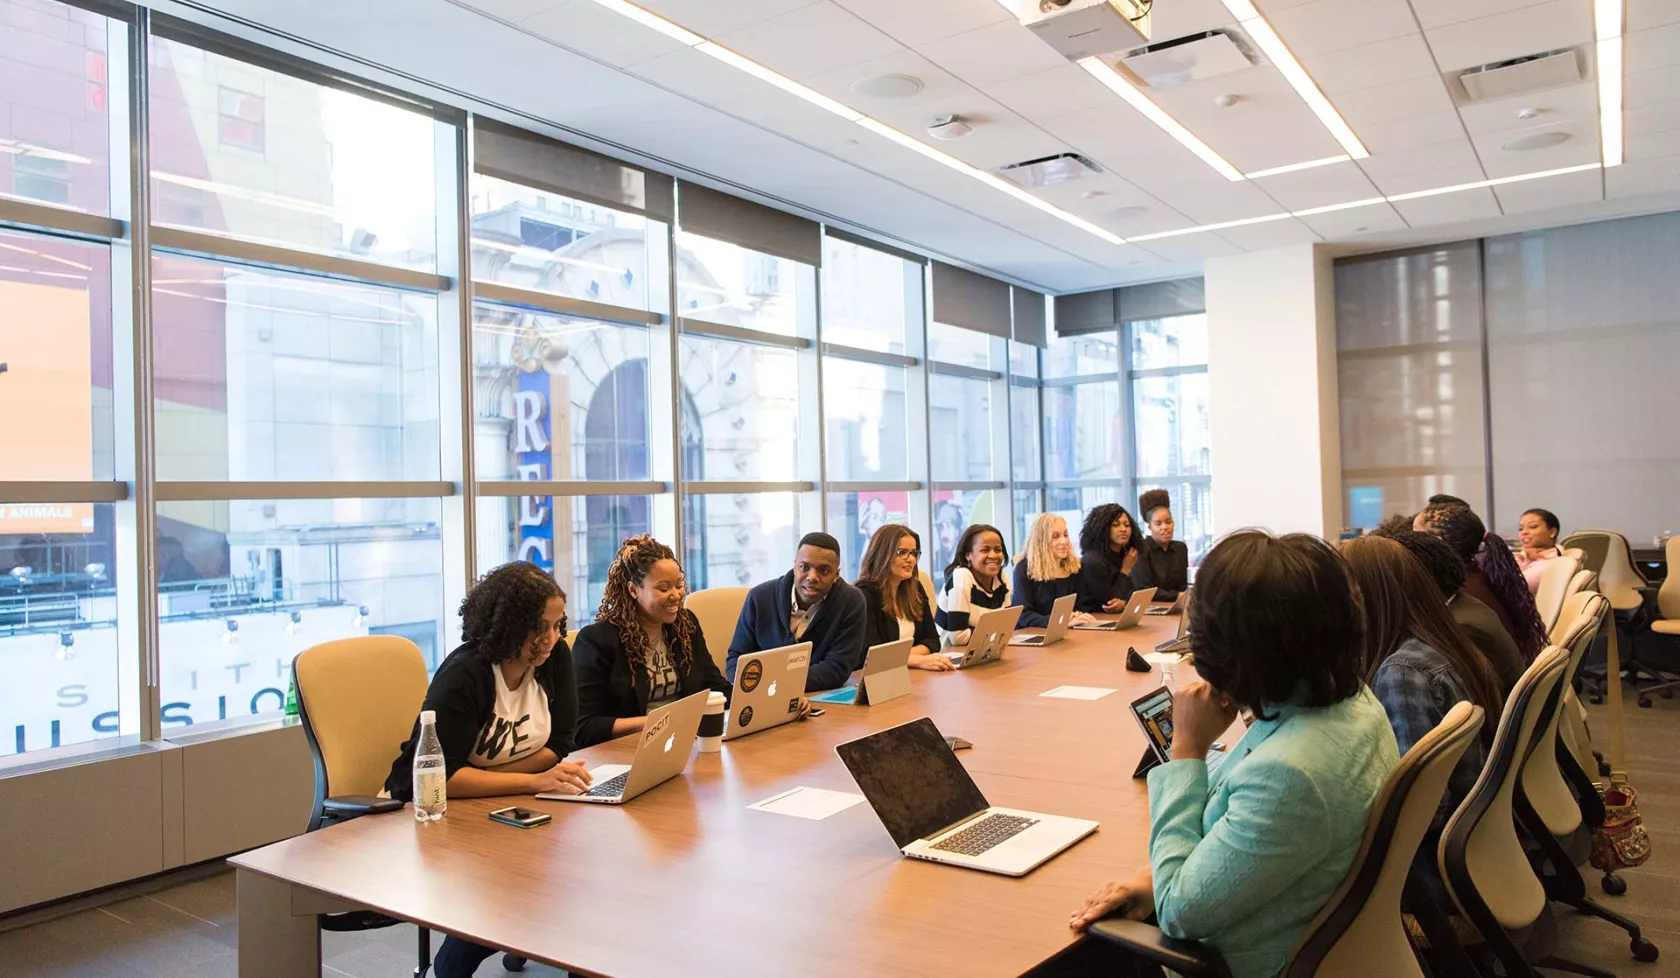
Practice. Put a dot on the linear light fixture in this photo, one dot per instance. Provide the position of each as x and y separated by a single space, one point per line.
781 81
1329 208
1607 24
1291 168
648 18
1212 227
1121 86
1263 35
1496 182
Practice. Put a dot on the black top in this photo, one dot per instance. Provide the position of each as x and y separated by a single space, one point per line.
880 627
607 691
1482 626
1167 570
1103 580
1037 597
835 633
463 695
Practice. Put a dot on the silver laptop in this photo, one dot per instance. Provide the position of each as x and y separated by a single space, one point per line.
1061 612
990 636
1181 643
1177 607
768 686
933 810
1136 605
886 676
661 755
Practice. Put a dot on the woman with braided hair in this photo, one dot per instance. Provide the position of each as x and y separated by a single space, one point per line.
1491 574
644 648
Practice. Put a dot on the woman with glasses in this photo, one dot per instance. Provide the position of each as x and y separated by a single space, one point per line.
895 606
506 706
644 648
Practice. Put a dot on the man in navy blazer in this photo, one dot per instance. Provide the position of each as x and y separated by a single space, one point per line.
807 604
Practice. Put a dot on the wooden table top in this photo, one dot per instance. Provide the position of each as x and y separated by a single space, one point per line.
686 880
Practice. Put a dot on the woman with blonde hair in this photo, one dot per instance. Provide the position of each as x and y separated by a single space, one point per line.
895 605
1048 569
644 648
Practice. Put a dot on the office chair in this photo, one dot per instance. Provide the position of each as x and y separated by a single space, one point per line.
1573 726
1668 626
1620 581
357 699
1360 929
927 585
717 609
1554 587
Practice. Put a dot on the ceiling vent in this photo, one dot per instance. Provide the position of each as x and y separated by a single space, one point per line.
1048 171
1182 60
1519 76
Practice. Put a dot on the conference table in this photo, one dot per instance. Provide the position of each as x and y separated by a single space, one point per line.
686 880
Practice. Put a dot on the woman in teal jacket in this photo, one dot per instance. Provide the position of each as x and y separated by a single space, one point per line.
1243 857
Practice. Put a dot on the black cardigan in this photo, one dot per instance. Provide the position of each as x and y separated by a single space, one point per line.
835 633
1103 580
607 690
463 695
879 627
1036 597
1167 571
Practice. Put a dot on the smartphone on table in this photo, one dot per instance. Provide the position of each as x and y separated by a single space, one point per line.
521 817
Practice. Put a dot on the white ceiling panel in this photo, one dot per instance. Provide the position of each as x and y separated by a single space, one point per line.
1324 26
1269 125
689 73
1580 149
921 21
1321 186
1555 106
597 32
1272 234
993 53
937 83
1439 13
1181 18
982 112
1650 146
710 18
511 10
1466 205
1646 87
1407 99
1355 221
1370 65
1642 15
1658 117
1531 30
1213 201
1411 133
1191 247
992 146
1641 177
1064 89
811 41
1551 192
1658 47
1389 169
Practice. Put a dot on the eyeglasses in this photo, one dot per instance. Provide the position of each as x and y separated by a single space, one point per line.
908 553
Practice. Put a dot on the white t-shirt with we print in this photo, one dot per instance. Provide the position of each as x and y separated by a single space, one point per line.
518 727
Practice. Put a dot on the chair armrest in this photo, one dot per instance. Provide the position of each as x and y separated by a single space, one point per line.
345 807
1146 941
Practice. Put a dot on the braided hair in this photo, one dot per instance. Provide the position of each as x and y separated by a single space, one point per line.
636 557
1465 532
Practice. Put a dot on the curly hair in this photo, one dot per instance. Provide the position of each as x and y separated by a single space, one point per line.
502 611
1153 500
1094 534
965 546
1465 532
636 557
904 600
1042 564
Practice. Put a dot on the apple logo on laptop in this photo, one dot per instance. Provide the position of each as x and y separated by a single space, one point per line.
772 689
669 741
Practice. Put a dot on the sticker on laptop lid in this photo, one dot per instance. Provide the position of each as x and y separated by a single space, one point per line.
793 705
751 674
746 716
797 659
653 732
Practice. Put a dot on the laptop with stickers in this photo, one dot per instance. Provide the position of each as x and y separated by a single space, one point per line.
886 676
1133 613
1061 612
990 637
768 686
933 810
661 755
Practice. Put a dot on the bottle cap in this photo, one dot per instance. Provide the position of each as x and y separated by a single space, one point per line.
428 716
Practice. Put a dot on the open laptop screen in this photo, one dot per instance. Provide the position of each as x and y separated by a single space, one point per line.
912 779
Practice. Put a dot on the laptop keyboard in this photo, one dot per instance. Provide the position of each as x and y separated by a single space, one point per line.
610 788
985 834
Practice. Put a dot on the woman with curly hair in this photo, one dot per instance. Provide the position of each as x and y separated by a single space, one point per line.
1491 574
1108 545
1048 569
644 648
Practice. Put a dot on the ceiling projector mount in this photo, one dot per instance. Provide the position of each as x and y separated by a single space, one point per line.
1089 28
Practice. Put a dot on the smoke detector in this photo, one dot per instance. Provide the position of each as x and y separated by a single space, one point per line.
949 127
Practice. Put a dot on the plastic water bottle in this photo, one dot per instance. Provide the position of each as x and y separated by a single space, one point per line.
430 776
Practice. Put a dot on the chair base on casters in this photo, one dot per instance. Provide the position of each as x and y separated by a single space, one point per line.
1613 884
1573 967
513 962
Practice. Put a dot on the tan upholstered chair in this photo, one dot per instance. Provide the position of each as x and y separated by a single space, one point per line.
718 609
1554 587
1360 930
1668 605
927 585
1573 723
1618 578
1550 782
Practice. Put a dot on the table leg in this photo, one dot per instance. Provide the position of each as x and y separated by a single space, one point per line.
274 940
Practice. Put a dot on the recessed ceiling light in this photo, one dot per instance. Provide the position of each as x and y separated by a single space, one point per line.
1535 140
887 86
1267 39
1607 23
1131 213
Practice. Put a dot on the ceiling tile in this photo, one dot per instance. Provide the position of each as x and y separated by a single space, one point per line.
710 18
1638 178
990 54
1191 247
1549 192
1658 117
691 74
1369 65
512 10
1333 25
1212 201
1064 89
1181 18
1269 125
1272 234
921 21
981 112
1581 148
1557 105
1396 172
1466 205
1320 186
1440 13
1642 15
1404 134
1339 225
1649 146
1658 47
936 82
992 146
593 30
1407 99
810 41
1531 30
1646 87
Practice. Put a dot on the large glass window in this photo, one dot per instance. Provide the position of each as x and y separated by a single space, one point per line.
954 511
1087 355
853 517
245 585
963 347
1169 385
733 286
1071 503
740 411
1084 431
1192 509
266 375
1177 341
245 152
1025 432
960 409
1172 425
864 404
740 539
871 300
55 137
575 538
538 240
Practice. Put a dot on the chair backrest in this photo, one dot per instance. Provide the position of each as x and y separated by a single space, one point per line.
1360 931
927 586
1481 857
1668 596
1618 578
1573 605
718 609
1554 586
1575 552
1543 782
1584 580
358 699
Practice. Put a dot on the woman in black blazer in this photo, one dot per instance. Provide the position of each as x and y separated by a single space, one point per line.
895 606
644 648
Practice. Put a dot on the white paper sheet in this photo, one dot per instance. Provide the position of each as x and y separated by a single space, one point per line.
1077 692
605 772
1162 658
811 803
